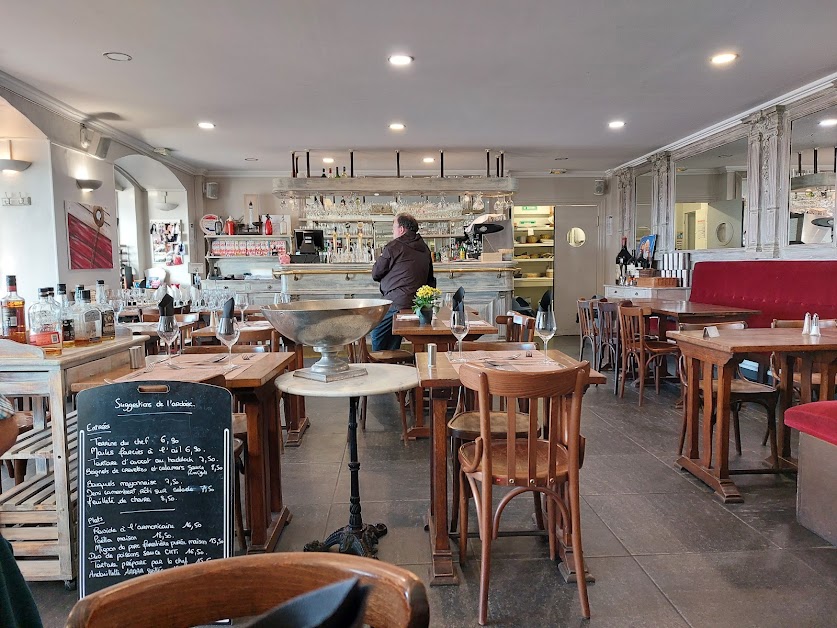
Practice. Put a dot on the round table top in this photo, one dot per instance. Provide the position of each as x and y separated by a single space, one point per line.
380 379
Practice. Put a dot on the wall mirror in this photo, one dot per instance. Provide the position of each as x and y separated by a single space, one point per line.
642 198
710 191
813 178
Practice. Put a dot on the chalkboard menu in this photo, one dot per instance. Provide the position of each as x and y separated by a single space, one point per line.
155 473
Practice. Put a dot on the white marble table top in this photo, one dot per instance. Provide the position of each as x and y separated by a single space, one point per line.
381 379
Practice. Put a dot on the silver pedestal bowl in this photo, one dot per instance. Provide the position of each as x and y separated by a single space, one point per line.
327 325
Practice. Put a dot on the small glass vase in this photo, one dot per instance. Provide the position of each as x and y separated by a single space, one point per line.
425 315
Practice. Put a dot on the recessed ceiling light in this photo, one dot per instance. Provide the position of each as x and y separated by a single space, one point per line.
328 160
616 124
377 193
558 171
725 155
724 57
117 56
206 125
680 169
561 158
251 159
397 126
401 59
428 160
829 122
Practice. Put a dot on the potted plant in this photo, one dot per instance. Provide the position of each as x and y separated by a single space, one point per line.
423 303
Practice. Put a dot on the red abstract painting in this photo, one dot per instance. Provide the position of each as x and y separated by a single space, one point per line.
88 231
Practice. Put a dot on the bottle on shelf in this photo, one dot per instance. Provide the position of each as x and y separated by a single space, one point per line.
68 324
88 321
344 175
45 324
337 172
323 175
108 315
13 312
330 174
462 251
267 225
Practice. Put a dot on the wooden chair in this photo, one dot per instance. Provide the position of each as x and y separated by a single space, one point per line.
17 468
359 353
636 347
588 331
608 333
202 593
742 391
519 327
548 465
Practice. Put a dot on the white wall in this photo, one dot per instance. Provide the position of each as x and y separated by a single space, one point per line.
177 274
126 204
27 239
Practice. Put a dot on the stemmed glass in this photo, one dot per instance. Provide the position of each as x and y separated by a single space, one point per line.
459 325
545 329
117 303
168 331
281 297
242 300
228 333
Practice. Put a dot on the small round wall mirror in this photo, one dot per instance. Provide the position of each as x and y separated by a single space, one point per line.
724 232
576 237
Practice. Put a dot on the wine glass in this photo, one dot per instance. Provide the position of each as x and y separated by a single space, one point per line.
545 329
242 300
117 303
459 328
168 331
228 333
281 297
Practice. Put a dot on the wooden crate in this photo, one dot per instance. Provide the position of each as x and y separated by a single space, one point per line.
657 282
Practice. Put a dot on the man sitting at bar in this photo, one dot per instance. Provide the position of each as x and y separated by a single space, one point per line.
403 267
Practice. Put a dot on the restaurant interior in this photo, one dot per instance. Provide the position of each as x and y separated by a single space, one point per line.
614 401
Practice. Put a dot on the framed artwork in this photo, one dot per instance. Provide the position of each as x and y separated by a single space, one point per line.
167 246
89 236
647 244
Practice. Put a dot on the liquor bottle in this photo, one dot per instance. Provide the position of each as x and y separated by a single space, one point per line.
337 172
78 290
330 174
68 324
108 315
344 172
88 321
462 251
267 225
323 175
13 312
624 257
45 325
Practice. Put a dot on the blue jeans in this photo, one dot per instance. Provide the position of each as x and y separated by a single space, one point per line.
382 338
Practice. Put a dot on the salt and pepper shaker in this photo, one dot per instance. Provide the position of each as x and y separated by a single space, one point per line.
431 355
806 326
815 325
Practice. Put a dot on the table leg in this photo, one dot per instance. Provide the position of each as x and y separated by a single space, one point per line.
358 538
297 421
441 571
419 430
788 364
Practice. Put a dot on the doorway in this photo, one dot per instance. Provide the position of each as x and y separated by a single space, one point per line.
576 262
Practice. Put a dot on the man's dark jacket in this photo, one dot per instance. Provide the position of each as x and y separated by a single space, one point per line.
404 266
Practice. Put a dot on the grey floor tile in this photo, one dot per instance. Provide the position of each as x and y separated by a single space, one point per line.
764 589
331 446
674 523
822 560
623 474
308 524
309 483
54 602
387 481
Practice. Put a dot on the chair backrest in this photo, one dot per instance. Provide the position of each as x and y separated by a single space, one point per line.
202 593
586 318
786 324
608 321
519 327
631 328
193 317
222 349
561 392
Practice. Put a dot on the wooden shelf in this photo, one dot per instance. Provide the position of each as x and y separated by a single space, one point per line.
534 228
521 246
542 260
391 186
535 281
248 237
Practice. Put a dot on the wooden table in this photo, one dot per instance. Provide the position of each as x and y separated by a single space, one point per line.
438 332
816 354
439 381
150 329
252 385
689 312
43 504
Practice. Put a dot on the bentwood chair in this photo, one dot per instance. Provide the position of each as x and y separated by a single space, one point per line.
227 588
637 348
519 327
547 464
588 330
742 391
608 328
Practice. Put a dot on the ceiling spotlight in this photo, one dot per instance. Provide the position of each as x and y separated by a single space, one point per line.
561 158
397 126
206 125
251 159
161 150
829 122
401 59
428 160
724 58
558 171
725 155
616 124
328 160
117 56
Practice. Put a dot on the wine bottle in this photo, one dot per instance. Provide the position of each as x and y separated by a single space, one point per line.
330 174
324 174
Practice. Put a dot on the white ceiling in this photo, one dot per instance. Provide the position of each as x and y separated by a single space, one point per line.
149 173
538 78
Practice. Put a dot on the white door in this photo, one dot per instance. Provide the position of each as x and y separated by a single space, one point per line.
576 260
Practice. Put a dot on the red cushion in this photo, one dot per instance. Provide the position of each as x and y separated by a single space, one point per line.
819 419
778 288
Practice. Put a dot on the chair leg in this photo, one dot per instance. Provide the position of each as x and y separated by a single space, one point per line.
485 557
10 468
658 364
642 367
771 433
237 510
401 396
683 424
457 466
575 516
550 518
463 518
539 509
624 375
736 427
20 471
766 437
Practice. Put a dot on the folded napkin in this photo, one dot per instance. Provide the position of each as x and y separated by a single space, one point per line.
458 300
338 605
228 308
166 306
546 302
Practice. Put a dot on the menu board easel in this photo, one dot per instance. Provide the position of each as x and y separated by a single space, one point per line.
155 473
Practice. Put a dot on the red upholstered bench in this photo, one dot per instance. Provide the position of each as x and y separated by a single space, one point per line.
780 289
816 505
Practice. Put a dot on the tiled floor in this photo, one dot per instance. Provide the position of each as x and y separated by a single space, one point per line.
663 550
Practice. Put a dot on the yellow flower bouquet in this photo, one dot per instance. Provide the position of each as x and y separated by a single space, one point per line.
426 297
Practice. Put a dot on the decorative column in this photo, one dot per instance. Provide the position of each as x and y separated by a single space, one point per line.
751 219
627 215
662 202
767 198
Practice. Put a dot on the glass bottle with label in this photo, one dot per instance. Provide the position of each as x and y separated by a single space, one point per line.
108 316
45 324
88 321
68 323
13 312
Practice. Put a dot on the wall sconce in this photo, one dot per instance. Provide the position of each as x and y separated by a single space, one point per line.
88 185
13 165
